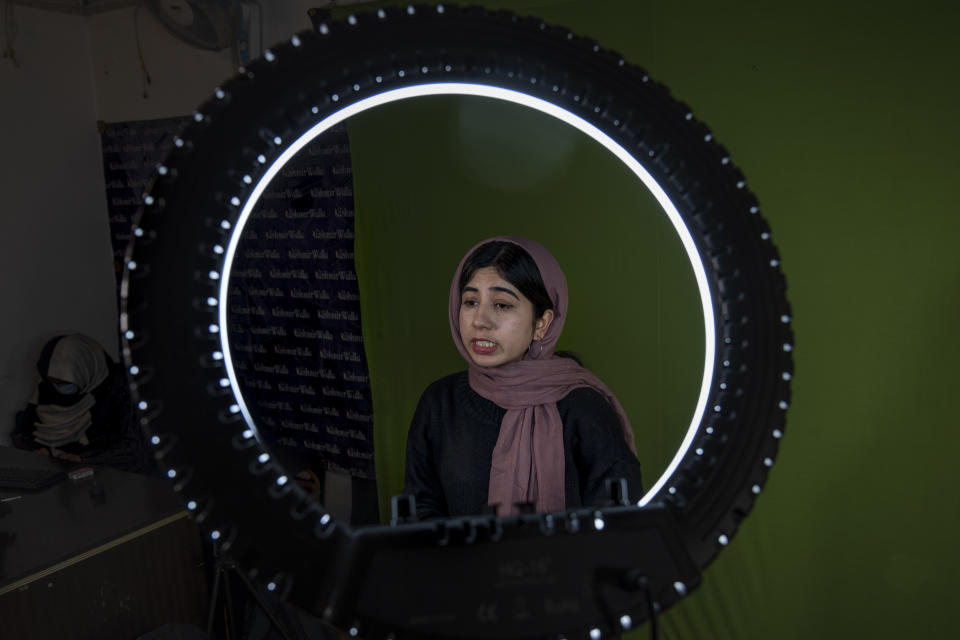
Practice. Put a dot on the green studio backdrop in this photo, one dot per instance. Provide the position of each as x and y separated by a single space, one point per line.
843 118
434 176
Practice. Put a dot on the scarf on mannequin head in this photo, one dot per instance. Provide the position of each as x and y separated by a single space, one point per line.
528 459
65 418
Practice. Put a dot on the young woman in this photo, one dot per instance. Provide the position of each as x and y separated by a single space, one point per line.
522 425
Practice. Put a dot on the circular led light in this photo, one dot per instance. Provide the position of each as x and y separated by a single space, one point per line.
547 108
479 55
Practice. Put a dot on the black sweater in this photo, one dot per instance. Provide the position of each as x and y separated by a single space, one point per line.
454 431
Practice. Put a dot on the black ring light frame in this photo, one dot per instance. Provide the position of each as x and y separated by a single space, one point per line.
588 573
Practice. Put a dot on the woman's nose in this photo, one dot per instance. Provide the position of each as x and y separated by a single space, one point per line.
481 318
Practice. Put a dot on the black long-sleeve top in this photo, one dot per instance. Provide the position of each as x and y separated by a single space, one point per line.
454 430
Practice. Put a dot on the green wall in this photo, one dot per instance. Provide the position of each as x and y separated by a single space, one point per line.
843 116
434 176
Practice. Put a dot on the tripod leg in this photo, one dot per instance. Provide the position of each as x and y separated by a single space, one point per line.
263 604
231 618
213 600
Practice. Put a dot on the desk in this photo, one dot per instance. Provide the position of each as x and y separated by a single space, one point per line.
110 556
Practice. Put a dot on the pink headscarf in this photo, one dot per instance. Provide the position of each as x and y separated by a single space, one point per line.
528 459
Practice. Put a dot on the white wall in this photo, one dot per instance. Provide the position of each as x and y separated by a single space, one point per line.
181 76
55 252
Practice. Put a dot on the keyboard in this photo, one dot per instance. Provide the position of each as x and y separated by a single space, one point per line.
19 478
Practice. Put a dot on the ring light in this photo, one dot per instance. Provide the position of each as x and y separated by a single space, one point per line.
635 561
516 97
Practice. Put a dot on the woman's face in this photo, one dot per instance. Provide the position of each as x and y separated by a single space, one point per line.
496 320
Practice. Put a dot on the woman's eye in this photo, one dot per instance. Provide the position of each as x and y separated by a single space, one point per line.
469 303
503 306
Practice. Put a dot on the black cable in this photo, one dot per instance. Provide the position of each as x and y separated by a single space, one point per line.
10 31
144 74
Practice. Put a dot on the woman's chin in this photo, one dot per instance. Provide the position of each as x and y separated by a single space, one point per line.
485 362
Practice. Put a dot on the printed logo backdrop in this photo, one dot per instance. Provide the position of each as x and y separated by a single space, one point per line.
294 305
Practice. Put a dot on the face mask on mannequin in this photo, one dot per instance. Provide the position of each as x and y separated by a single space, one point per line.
65 388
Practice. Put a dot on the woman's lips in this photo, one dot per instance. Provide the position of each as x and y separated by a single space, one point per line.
483 347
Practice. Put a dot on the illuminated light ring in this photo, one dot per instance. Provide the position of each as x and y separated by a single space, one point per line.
191 214
515 97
